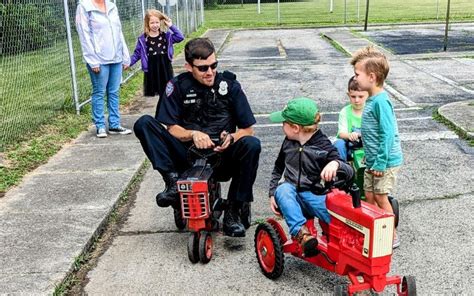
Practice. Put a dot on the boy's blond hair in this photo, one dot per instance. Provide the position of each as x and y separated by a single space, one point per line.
309 128
158 14
374 61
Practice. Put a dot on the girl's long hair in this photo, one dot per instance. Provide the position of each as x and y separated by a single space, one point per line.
158 14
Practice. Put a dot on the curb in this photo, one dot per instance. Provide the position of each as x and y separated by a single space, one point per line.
460 115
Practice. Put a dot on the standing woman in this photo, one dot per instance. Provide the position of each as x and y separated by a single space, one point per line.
105 52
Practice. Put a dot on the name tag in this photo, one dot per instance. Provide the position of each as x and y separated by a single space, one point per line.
192 101
192 95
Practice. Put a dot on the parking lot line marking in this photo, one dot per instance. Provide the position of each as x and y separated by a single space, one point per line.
261 115
452 83
335 122
402 98
434 135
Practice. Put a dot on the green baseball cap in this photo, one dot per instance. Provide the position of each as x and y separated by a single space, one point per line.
301 111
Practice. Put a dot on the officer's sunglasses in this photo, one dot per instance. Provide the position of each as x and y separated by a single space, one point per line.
204 68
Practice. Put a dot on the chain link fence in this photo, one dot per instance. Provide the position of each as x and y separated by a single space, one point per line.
41 67
257 13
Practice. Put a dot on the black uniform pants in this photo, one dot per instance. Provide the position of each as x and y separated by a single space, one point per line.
167 154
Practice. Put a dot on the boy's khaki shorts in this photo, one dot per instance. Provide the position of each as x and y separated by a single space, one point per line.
380 185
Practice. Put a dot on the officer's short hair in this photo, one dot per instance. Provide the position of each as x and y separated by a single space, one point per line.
198 49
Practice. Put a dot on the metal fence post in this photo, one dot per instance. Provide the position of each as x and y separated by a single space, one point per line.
447 26
71 58
202 12
437 9
143 8
366 16
186 8
177 14
278 12
195 15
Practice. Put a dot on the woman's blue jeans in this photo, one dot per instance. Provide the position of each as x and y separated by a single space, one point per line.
291 204
106 82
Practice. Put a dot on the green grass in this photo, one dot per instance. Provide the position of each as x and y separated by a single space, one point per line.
53 128
316 12
35 148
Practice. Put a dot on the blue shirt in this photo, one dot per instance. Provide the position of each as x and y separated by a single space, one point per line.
380 134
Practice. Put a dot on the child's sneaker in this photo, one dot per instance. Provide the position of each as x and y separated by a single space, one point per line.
119 130
307 241
396 241
101 133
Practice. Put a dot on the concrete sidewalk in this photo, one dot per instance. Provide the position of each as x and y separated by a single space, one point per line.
51 218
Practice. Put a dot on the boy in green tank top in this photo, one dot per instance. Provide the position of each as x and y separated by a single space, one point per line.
350 118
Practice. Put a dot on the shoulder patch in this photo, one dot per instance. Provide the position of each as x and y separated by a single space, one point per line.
169 88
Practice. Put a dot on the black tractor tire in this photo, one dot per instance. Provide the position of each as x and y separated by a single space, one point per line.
205 247
179 221
193 247
408 286
395 208
341 290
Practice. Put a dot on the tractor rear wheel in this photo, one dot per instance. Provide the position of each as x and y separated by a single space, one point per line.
193 247
269 251
179 221
394 203
205 247
408 286
341 290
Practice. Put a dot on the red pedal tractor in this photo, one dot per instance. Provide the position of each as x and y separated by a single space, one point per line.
201 203
357 243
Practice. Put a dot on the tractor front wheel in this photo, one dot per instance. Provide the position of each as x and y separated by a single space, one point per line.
408 286
193 247
205 247
269 251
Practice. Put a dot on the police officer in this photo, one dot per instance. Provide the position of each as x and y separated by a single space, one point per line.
198 106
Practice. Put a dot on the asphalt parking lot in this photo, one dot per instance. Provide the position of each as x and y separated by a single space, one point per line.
435 186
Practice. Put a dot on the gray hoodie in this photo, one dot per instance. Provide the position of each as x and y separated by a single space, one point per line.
101 34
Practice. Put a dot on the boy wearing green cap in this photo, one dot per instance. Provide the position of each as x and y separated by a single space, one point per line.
306 157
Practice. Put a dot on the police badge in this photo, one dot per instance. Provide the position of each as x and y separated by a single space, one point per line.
223 88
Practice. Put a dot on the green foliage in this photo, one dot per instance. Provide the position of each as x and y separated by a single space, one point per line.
29 27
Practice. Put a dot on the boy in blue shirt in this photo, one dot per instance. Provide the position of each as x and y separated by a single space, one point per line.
383 153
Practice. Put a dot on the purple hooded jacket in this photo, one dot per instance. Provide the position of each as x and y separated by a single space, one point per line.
173 35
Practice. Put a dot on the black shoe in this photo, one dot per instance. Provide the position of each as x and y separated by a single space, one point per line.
169 196
232 224
246 215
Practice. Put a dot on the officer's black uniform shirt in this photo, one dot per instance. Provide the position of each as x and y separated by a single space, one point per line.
194 106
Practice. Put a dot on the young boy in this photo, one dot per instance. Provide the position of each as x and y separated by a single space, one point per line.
383 153
306 156
350 118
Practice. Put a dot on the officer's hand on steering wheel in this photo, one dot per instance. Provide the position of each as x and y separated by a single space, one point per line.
202 140
226 140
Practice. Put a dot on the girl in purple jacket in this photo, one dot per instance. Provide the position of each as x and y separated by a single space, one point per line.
155 50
